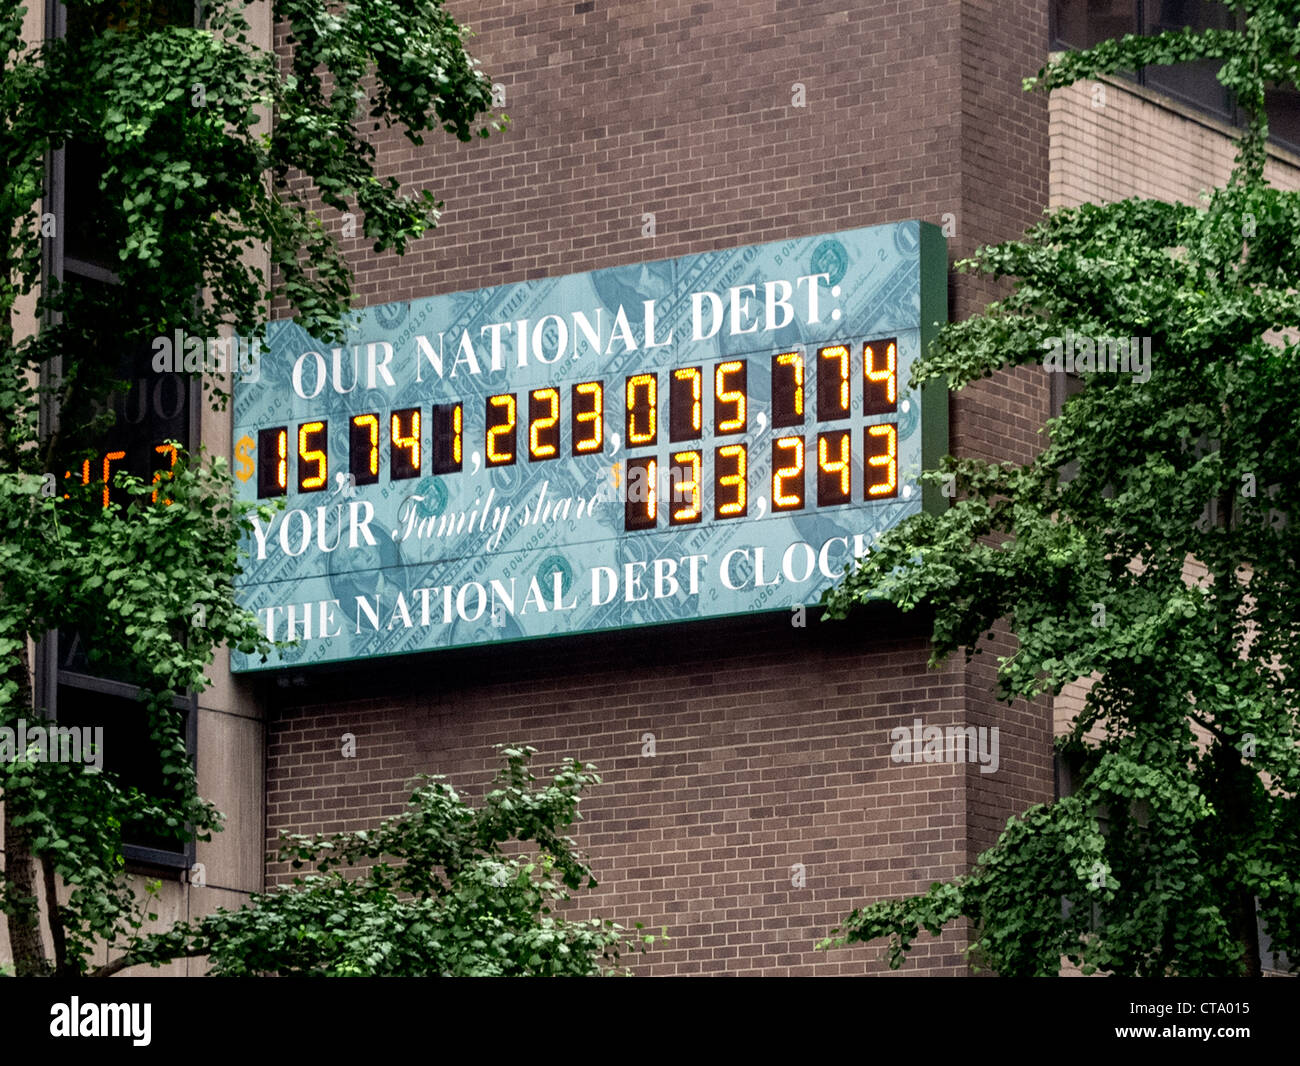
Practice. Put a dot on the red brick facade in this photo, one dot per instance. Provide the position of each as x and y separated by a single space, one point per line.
771 742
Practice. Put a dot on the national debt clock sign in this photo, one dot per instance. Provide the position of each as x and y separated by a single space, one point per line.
662 442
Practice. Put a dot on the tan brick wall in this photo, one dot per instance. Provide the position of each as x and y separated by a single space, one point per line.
1138 143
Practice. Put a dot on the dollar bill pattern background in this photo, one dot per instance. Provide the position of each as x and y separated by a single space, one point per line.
877 270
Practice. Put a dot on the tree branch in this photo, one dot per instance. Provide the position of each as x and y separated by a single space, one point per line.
57 933
122 962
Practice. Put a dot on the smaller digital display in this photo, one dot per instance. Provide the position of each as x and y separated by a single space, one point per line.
149 408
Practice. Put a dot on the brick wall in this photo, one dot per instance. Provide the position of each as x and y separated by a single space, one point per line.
1004 190
772 742
1111 140
683 110
763 759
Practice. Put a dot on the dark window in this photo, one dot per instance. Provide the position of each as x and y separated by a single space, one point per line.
86 241
128 15
1077 24
1193 83
1062 385
1082 23
1283 107
128 753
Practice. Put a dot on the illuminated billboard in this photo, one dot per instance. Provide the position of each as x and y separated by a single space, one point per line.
667 441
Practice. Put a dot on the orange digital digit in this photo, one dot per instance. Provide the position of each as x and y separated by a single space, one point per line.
543 424
272 461
448 436
109 458
833 468
882 457
502 431
311 450
730 493
363 449
685 403
641 509
787 479
832 382
404 444
685 480
642 404
787 389
588 418
729 401
880 365
168 450
85 475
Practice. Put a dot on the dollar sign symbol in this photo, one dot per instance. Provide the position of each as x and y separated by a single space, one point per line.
244 458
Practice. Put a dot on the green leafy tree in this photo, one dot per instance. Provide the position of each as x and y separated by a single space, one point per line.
191 179
436 896
1185 816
